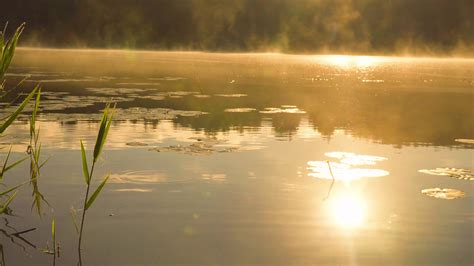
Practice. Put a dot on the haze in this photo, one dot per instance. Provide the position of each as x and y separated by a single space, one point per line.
421 27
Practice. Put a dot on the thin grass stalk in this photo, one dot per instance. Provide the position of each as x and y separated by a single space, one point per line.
53 236
332 183
7 50
83 217
34 151
2 256
88 175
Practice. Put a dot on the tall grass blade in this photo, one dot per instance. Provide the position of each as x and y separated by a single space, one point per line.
99 143
12 165
91 200
88 201
53 230
43 163
14 188
7 167
11 189
5 162
53 236
85 168
8 49
35 111
15 114
4 208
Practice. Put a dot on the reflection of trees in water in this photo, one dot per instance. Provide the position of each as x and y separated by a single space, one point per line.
285 125
420 101
397 118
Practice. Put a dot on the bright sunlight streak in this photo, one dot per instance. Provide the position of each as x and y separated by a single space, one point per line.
348 61
348 211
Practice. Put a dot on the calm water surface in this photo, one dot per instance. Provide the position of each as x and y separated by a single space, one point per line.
223 159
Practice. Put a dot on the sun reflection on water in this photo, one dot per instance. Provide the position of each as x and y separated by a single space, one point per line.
348 210
348 61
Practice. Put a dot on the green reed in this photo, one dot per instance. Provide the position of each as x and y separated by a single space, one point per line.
53 238
88 174
34 151
7 50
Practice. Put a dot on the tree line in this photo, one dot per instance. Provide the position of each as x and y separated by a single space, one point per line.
303 26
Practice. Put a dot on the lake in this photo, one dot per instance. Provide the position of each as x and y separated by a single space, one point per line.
249 159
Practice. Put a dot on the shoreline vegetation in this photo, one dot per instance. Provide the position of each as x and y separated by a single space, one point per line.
426 56
303 27
403 55
33 150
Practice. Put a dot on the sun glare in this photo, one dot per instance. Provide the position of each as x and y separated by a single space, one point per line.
348 61
348 211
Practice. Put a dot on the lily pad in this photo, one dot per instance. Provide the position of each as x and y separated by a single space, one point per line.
282 110
458 173
142 190
202 96
342 172
136 144
443 193
466 141
198 148
239 110
355 159
235 95
168 78
138 177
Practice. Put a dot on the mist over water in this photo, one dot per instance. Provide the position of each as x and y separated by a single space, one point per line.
223 159
302 26
244 132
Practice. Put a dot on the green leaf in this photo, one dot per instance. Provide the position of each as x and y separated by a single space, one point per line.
35 111
17 111
13 165
109 122
53 230
12 189
96 193
6 162
5 206
5 168
8 50
43 163
85 168
99 143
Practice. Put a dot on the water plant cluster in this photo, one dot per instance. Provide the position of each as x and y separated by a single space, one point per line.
33 151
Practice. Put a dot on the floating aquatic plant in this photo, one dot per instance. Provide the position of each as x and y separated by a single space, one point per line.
282 110
466 141
458 173
142 177
240 110
443 193
235 95
355 159
344 170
